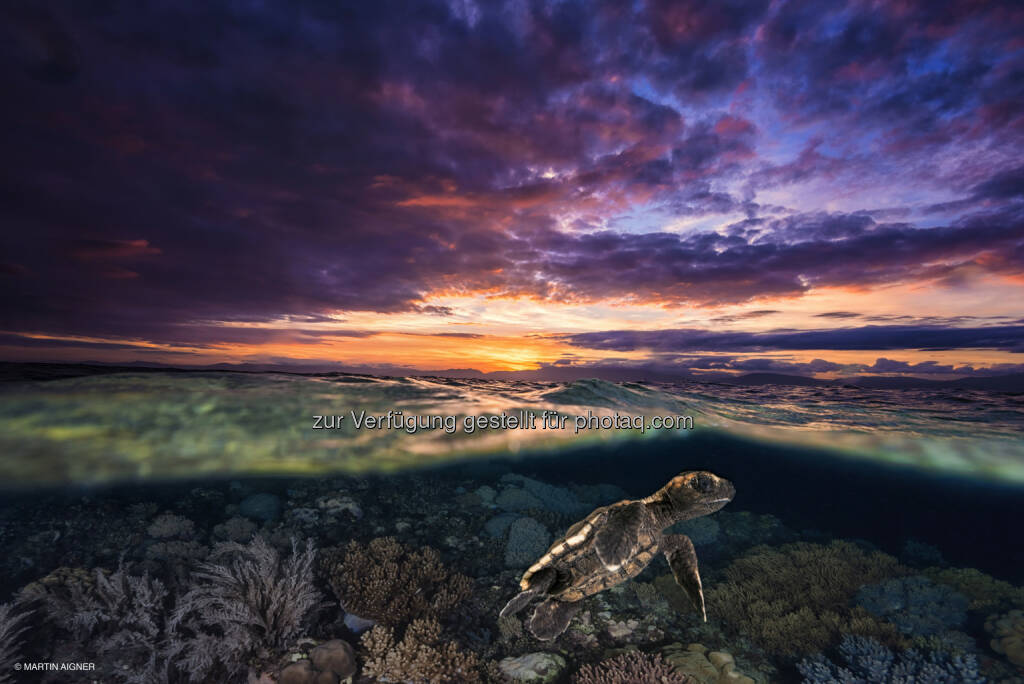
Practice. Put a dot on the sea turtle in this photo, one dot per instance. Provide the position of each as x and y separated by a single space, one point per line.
615 543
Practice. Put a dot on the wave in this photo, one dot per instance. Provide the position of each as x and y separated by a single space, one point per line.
160 425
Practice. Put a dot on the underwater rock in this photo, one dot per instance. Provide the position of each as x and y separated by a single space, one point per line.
701 531
916 605
527 541
867 661
539 668
499 524
515 499
335 656
335 505
262 507
704 666
1008 635
549 497
299 672
171 526
236 529
599 494
486 494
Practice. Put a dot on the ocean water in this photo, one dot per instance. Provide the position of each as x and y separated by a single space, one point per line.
871 530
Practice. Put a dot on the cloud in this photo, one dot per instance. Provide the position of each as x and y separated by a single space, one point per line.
1008 337
172 166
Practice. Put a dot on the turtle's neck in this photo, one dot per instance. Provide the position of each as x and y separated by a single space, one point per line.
665 514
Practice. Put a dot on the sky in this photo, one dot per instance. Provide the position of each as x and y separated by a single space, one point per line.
814 188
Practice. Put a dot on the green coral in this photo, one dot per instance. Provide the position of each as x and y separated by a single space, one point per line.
795 599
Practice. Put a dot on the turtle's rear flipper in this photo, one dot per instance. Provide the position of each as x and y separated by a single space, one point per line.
551 618
682 558
539 583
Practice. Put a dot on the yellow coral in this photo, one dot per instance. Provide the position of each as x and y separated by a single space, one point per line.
794 599
1008 633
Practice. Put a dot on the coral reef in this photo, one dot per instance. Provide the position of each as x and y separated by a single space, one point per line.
915 604
527 541
703 666
535 668
1008 635
115 619
236 529
389 583
170 526
632 667
536 494
794 599
244 605
701 531
331 662
11 628
866 661
261 507
421 657
984 591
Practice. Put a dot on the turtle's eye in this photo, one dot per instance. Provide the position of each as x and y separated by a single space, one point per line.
702 483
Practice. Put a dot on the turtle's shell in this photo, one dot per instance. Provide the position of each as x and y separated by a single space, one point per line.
580 571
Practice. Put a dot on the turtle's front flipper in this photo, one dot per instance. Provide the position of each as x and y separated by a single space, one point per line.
617 539
540 582
682 558
551 618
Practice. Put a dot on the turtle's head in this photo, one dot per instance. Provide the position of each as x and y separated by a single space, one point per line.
696 493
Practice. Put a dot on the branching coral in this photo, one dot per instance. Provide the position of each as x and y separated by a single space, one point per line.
245 603
794 599
632 667
866 661
421 657
915 604
984 591
115 619
387 582
11 628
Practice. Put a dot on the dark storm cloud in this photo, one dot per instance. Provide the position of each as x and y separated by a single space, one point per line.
170 164
1008 337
